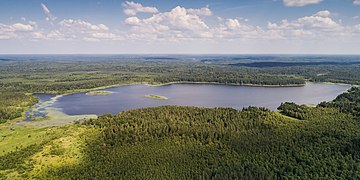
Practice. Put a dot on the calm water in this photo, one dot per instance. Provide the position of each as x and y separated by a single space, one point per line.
132 97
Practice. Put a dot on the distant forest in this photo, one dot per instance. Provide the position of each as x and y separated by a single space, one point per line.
289 64
25 75
173 142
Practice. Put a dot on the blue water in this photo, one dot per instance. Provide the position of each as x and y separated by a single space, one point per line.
202 95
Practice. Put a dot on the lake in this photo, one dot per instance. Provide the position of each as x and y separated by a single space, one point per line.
203 95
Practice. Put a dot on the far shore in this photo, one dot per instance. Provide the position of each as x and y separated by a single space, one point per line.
188 82
102 90
228 84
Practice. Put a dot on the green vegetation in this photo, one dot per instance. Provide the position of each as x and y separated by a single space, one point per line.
29 152
196 143
17 137
98 93
18 78
12 104
347 102
152 96
296 111
298 142
59 75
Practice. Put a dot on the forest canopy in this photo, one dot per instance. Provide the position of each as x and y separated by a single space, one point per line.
172 142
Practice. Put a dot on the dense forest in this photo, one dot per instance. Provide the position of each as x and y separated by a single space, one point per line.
62 74
173 142
59 74
290 64
347 102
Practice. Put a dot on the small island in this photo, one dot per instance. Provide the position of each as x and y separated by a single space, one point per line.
152 96
98 93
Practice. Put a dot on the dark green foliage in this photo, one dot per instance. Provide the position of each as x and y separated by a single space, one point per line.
53 75
197 143
56 76
227 75
12 104
59 77
293 110
347 102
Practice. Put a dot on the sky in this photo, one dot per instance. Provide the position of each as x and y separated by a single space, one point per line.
180 27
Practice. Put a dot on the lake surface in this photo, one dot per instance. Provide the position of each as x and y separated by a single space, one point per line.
202 95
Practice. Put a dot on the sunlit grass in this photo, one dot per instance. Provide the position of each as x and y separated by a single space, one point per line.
152 96
98 93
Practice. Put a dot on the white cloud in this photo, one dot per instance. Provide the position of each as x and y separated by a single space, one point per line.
38 35
16 30
79 25
357 28
318 25
236 29
16 27
22 27
205 11
49 17
300 3
78 29
180 23
131 8
183 24
57 35
68 29
233 23
324 13
6 32
133 21
184 19
106 36
319 20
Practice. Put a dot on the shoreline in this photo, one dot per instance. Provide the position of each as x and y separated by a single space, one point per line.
166 84
227 84
339 84
189 82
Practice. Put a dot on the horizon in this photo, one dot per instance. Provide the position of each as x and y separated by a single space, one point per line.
181 54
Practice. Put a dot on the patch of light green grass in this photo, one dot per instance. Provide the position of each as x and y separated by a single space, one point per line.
98 93
17 137
152 96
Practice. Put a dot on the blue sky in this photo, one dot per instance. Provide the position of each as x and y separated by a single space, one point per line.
180 27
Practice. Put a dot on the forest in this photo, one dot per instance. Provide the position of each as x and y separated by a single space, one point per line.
13 104
62 74
347 102
172 142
